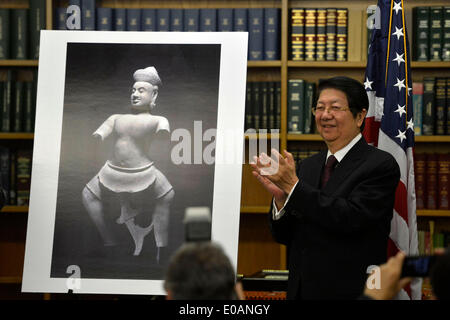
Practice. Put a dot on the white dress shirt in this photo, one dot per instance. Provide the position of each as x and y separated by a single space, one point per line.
339 155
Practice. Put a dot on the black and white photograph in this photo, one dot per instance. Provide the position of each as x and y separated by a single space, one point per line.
133 131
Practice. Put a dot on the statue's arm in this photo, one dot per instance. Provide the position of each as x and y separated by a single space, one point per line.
106 128
160 147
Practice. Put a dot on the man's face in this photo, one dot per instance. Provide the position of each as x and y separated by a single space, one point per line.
336 123
142 95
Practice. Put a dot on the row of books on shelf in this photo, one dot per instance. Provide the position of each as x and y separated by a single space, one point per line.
430 239
432 181
15 174
301 98
263 105
300 155
431 103
319 34
20 29
431 33
17 103
262 24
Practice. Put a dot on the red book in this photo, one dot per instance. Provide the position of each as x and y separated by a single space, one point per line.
443 179
431 179
420 161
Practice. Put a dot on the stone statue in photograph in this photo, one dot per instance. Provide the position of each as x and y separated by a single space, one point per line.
130 172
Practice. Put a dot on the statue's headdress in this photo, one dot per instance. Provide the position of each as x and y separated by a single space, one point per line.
149 75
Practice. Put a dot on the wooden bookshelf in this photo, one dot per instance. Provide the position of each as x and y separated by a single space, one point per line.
11 280
434 213
12 209
255 209
19 63
16 136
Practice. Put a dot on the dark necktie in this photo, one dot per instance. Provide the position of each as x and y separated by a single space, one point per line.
328 170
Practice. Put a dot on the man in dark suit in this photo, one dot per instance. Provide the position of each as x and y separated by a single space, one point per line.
334 212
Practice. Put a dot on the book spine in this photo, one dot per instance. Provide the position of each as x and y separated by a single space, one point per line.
191 20
331 34
298 34
341 35
4 33
271 34
321 34
133 19
176 19
60 19
309 102
224 19
443 180
37 23
255 34
446 37
240 19
248 106
149 19
256 105
429 112
421 32
5 170
310 34
120 19
295 106
264 110
431 180
19 34
104 19
436 33
208 20
7 102
441 113
417 100
272 106
13 178
28 107
278 105
18 107
420 161
23 177
163 19
447 104
88 14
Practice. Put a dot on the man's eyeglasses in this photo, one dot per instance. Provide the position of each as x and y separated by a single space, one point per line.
333 109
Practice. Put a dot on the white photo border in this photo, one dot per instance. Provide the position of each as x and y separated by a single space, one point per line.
47 144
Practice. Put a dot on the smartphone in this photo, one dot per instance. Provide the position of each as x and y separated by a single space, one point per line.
418 266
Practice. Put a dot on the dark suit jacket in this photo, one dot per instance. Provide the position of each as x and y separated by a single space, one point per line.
334 234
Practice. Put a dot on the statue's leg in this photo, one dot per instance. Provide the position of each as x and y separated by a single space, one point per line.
161 220
128 212
94 207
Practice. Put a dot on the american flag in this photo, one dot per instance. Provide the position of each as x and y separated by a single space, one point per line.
389 122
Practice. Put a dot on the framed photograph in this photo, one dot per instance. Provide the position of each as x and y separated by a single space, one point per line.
132 129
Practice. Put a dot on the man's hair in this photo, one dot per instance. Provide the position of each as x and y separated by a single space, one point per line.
200 271
354 91
440 276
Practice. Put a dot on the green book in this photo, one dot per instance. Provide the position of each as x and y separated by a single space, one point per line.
436 33
37 23
272 106
309 102
264 110
248 106
18 107
446 41
19 33
256 105
6 102
29 107
429 111
278 105
296 104
4 34
421 33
